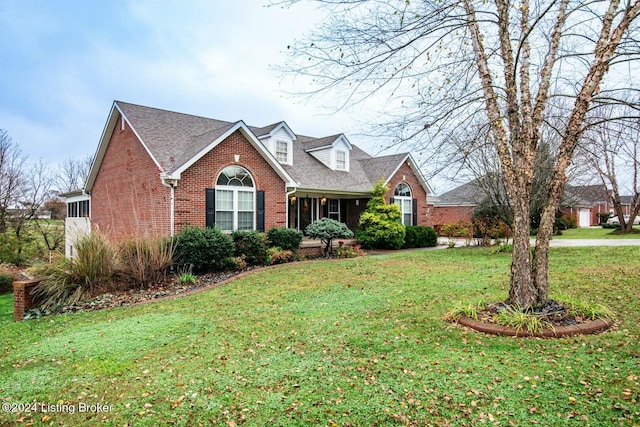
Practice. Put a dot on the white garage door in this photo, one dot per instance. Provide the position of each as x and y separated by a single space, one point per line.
584 219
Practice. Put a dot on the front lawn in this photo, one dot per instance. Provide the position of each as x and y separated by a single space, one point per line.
351 343
596 233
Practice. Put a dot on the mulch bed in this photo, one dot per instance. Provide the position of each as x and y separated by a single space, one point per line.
163 290
562 323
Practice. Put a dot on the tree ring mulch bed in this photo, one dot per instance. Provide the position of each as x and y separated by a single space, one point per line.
562 324
588 327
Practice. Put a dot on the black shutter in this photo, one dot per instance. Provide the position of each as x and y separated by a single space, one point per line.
260 210
414 211
391 200
210 207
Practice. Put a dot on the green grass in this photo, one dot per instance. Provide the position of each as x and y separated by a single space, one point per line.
595 233
353 342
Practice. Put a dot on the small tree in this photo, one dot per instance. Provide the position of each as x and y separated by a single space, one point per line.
327 229
380 225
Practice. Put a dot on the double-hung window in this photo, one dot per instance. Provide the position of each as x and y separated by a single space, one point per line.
235 200
341 160
282 151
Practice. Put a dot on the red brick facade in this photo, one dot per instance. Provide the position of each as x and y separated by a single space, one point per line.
449 214
128 198
190 192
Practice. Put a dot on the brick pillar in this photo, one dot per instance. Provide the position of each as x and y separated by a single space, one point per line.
22 298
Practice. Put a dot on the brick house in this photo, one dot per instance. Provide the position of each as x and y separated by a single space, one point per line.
585 203
157 171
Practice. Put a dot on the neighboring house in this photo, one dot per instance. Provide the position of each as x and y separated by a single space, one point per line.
584 203
156 172
459 203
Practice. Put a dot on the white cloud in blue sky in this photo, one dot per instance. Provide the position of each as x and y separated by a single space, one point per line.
64 62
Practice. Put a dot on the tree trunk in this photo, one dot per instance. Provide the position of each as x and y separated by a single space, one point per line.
521 292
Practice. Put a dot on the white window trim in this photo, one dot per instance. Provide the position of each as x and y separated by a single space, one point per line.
399 200
236 211
289 151
346 160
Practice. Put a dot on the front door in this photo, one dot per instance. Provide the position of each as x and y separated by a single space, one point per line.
307 211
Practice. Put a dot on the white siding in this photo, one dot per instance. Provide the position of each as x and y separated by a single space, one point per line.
74 229
280 135
324 156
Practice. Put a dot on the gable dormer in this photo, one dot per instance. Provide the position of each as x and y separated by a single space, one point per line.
332 151
278 138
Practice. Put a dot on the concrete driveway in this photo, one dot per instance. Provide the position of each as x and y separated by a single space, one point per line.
570 243
559 243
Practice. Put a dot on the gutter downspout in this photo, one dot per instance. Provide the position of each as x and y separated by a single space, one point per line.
171 183
287 194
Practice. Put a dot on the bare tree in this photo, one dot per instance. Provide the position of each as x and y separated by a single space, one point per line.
72 173
612 148
12 178
437 67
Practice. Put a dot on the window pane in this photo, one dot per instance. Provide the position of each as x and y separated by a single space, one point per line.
224 220
407 219
245 220
235 176
224 200
245 200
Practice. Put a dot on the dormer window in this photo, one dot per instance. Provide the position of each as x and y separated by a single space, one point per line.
341 160
282 151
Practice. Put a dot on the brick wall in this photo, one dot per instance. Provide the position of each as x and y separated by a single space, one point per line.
128 198
190 192
22 298
449 214
406 174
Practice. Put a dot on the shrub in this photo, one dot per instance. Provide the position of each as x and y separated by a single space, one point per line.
570 221
418 236
6 282
379 224
287 239
205 248
280 256
89 273
349 251
145 261
457 229
251 245
327 229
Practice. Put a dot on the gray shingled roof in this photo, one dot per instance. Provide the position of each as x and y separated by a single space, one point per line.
175 138
172 138
470 194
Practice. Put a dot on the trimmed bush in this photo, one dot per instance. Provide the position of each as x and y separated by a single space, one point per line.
280 256
327 229
287 239
419 236
251 246
207 249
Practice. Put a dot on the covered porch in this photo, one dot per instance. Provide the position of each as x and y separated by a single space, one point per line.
307 207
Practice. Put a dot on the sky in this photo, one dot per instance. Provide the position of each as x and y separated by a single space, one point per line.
63 63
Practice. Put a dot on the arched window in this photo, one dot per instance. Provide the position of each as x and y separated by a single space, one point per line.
235 199
402 198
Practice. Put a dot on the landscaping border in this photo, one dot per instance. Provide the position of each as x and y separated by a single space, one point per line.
590 327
